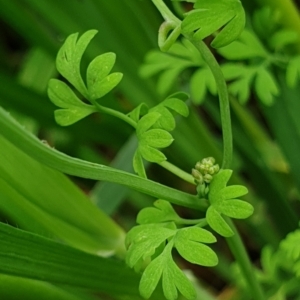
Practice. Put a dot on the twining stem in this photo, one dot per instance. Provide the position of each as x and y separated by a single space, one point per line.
223 99
235 243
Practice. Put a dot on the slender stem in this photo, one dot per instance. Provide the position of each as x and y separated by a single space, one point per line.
165 11
237 248
178 172
235 243
198 222
116 114
223 99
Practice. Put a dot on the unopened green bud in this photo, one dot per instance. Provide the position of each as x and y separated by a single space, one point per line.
197 176
207 178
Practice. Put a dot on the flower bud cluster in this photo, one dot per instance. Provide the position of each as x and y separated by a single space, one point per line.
204 170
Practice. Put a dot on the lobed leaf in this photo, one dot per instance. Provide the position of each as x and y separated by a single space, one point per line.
222 201
157 138
167 121
218 183
138 112
151 154
189 244
99 68
246 47
69 57
208 16
101 87
142 240
291 245
237 209
234 191
73 108
217 223
282 38
201 81
146 122
293 71
138 164
172 277
266 86
162 212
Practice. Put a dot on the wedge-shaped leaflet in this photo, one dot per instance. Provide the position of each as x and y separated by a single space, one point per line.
246 47
162 212
208 16
142 241
138 112
190 241
291 245
266 86
151 139
201 82
168 66
293 71
222 200
73 109
173 103
69 57
99 82
173 278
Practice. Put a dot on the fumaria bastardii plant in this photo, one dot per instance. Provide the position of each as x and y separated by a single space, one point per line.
150 244
215 57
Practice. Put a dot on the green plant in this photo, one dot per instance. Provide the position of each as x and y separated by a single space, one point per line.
163 238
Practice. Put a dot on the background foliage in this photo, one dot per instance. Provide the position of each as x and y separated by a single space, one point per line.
261 68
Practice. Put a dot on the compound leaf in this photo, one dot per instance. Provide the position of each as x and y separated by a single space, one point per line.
142 240
222 201
73 109
172 277
162 212
189 244
69 57
208 16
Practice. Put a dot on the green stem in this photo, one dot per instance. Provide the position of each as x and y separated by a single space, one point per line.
177 171
116 114
238 250
165 11
46 155
223 99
